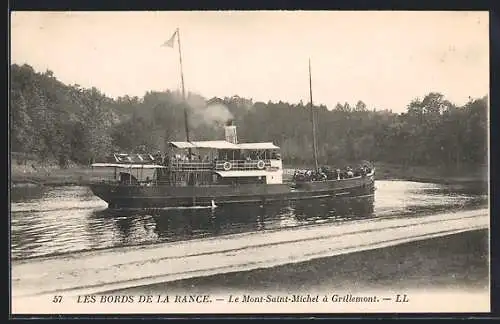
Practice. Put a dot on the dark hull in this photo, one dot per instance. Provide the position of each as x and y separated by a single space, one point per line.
161 196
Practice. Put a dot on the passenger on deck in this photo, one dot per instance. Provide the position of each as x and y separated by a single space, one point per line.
157 157
350 174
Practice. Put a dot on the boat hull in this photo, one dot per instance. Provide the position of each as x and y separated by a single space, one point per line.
160 196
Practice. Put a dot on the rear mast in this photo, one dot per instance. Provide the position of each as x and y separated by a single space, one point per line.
315 154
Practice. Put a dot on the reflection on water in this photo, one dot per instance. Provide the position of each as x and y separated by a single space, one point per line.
48 221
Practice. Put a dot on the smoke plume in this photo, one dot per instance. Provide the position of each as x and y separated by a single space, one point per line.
214 114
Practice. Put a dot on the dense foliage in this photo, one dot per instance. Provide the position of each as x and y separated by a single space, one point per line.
67 123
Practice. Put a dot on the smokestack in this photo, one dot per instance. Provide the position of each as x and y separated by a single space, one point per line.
230 131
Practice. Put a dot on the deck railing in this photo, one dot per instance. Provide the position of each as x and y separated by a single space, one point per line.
239 165
230 165
191 166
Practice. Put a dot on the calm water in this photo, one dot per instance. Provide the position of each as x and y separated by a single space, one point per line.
56 220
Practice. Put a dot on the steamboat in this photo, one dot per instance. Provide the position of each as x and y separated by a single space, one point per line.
218 172
212 173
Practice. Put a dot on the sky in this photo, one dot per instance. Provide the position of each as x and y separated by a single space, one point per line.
385 58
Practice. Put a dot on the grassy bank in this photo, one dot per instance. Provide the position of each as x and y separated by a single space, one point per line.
54 176
444 175
77 175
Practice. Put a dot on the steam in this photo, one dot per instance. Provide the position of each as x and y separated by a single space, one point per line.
214 114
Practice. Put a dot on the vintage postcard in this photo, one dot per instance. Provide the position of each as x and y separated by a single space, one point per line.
249 162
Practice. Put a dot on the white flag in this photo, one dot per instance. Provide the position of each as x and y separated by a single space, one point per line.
170 42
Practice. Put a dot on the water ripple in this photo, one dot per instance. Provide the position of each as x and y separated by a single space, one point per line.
62 220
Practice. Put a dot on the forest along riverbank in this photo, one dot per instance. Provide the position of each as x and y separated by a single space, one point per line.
80 176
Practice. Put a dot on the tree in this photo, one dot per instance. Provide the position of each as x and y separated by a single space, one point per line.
69 123
360 106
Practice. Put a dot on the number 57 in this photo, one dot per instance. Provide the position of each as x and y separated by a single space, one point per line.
57 299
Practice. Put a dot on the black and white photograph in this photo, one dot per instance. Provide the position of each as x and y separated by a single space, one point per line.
256 162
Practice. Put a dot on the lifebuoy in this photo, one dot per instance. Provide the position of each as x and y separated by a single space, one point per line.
227 166
261 165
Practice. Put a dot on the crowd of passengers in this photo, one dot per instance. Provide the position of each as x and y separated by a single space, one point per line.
326 173
250 156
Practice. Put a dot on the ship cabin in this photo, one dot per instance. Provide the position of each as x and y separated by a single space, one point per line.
222 162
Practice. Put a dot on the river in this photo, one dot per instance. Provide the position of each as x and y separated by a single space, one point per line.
60 220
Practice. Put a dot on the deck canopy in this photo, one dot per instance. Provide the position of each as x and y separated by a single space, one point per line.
221 145
224 145
182 145
258 146
128 166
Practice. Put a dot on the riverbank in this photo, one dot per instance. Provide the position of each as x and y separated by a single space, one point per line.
442 175
92 271
448 274
457 261
53 176
445 274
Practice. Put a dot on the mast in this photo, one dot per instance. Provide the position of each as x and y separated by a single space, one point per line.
186 124
315 154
